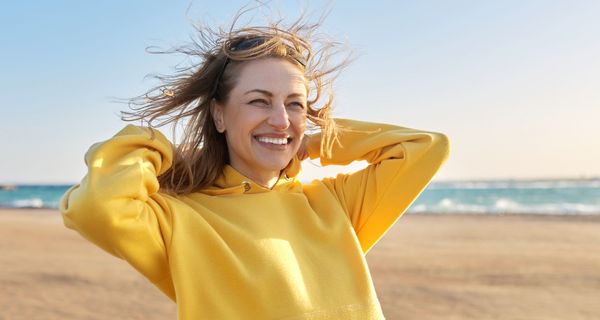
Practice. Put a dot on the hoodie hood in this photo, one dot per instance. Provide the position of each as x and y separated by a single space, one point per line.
233 182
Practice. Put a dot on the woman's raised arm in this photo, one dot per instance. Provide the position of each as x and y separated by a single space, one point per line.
401 160
117 205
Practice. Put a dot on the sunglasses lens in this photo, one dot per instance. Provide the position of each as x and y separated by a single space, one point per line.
248 43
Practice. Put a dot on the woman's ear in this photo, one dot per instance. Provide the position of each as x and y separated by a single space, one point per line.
216 111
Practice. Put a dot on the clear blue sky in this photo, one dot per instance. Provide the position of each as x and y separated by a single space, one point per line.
515 84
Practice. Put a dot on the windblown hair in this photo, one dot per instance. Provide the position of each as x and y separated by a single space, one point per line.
187 95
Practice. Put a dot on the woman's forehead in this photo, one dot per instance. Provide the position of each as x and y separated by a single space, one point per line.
274 75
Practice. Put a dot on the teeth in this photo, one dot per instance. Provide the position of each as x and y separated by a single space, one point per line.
279 141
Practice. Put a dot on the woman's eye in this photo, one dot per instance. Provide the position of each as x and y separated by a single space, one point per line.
297 105
259 102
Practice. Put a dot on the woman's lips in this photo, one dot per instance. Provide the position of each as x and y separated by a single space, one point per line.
273 142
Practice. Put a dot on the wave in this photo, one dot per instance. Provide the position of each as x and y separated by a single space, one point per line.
32 203
506 205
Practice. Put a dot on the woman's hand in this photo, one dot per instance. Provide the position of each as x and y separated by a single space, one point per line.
302 153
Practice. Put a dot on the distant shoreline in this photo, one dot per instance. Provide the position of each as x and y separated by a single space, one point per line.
564 197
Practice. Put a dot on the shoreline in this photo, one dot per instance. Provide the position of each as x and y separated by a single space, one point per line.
427 266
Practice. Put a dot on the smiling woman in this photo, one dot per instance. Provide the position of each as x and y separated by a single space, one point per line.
263 64
221 223
264 118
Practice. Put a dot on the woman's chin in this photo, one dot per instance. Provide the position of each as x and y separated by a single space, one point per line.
276 165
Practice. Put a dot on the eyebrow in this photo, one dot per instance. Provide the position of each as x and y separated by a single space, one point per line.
269 94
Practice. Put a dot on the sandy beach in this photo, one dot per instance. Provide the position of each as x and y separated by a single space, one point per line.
426 267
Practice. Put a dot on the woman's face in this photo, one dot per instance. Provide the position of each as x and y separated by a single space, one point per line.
264 118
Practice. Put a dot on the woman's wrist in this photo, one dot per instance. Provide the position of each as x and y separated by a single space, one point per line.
313 145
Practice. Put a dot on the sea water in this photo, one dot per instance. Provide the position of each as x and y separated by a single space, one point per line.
511 196
476 197
32 196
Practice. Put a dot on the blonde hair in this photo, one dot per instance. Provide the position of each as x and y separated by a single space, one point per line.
188 94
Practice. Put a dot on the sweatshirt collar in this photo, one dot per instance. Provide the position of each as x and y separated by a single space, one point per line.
233 182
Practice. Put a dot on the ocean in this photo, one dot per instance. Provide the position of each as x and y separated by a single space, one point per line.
557 197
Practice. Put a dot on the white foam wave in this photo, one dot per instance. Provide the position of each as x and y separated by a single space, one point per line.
28 203
505 205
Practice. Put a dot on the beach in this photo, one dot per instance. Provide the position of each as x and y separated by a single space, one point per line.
451 266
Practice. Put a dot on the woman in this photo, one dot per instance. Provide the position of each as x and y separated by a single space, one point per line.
221 223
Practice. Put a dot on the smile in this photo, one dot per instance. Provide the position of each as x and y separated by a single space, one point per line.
273 141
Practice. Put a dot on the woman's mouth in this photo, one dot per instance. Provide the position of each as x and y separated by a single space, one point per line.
276 143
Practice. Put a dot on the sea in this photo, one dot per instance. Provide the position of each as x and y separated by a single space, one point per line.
553 197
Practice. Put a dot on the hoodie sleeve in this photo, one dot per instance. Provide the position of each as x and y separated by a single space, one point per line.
401 160
117 205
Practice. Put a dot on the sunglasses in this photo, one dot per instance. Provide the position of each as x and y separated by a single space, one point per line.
242 45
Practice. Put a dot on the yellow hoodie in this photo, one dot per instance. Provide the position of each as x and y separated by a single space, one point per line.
237 250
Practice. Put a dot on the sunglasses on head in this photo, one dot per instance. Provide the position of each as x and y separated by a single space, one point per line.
243 44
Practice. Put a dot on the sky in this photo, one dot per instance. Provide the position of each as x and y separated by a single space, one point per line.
514 84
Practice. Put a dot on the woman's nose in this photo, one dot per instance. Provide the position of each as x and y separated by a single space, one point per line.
279 118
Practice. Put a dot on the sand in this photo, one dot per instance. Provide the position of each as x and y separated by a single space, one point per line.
426 267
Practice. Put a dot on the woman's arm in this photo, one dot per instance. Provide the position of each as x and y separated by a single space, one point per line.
401 160
116 206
